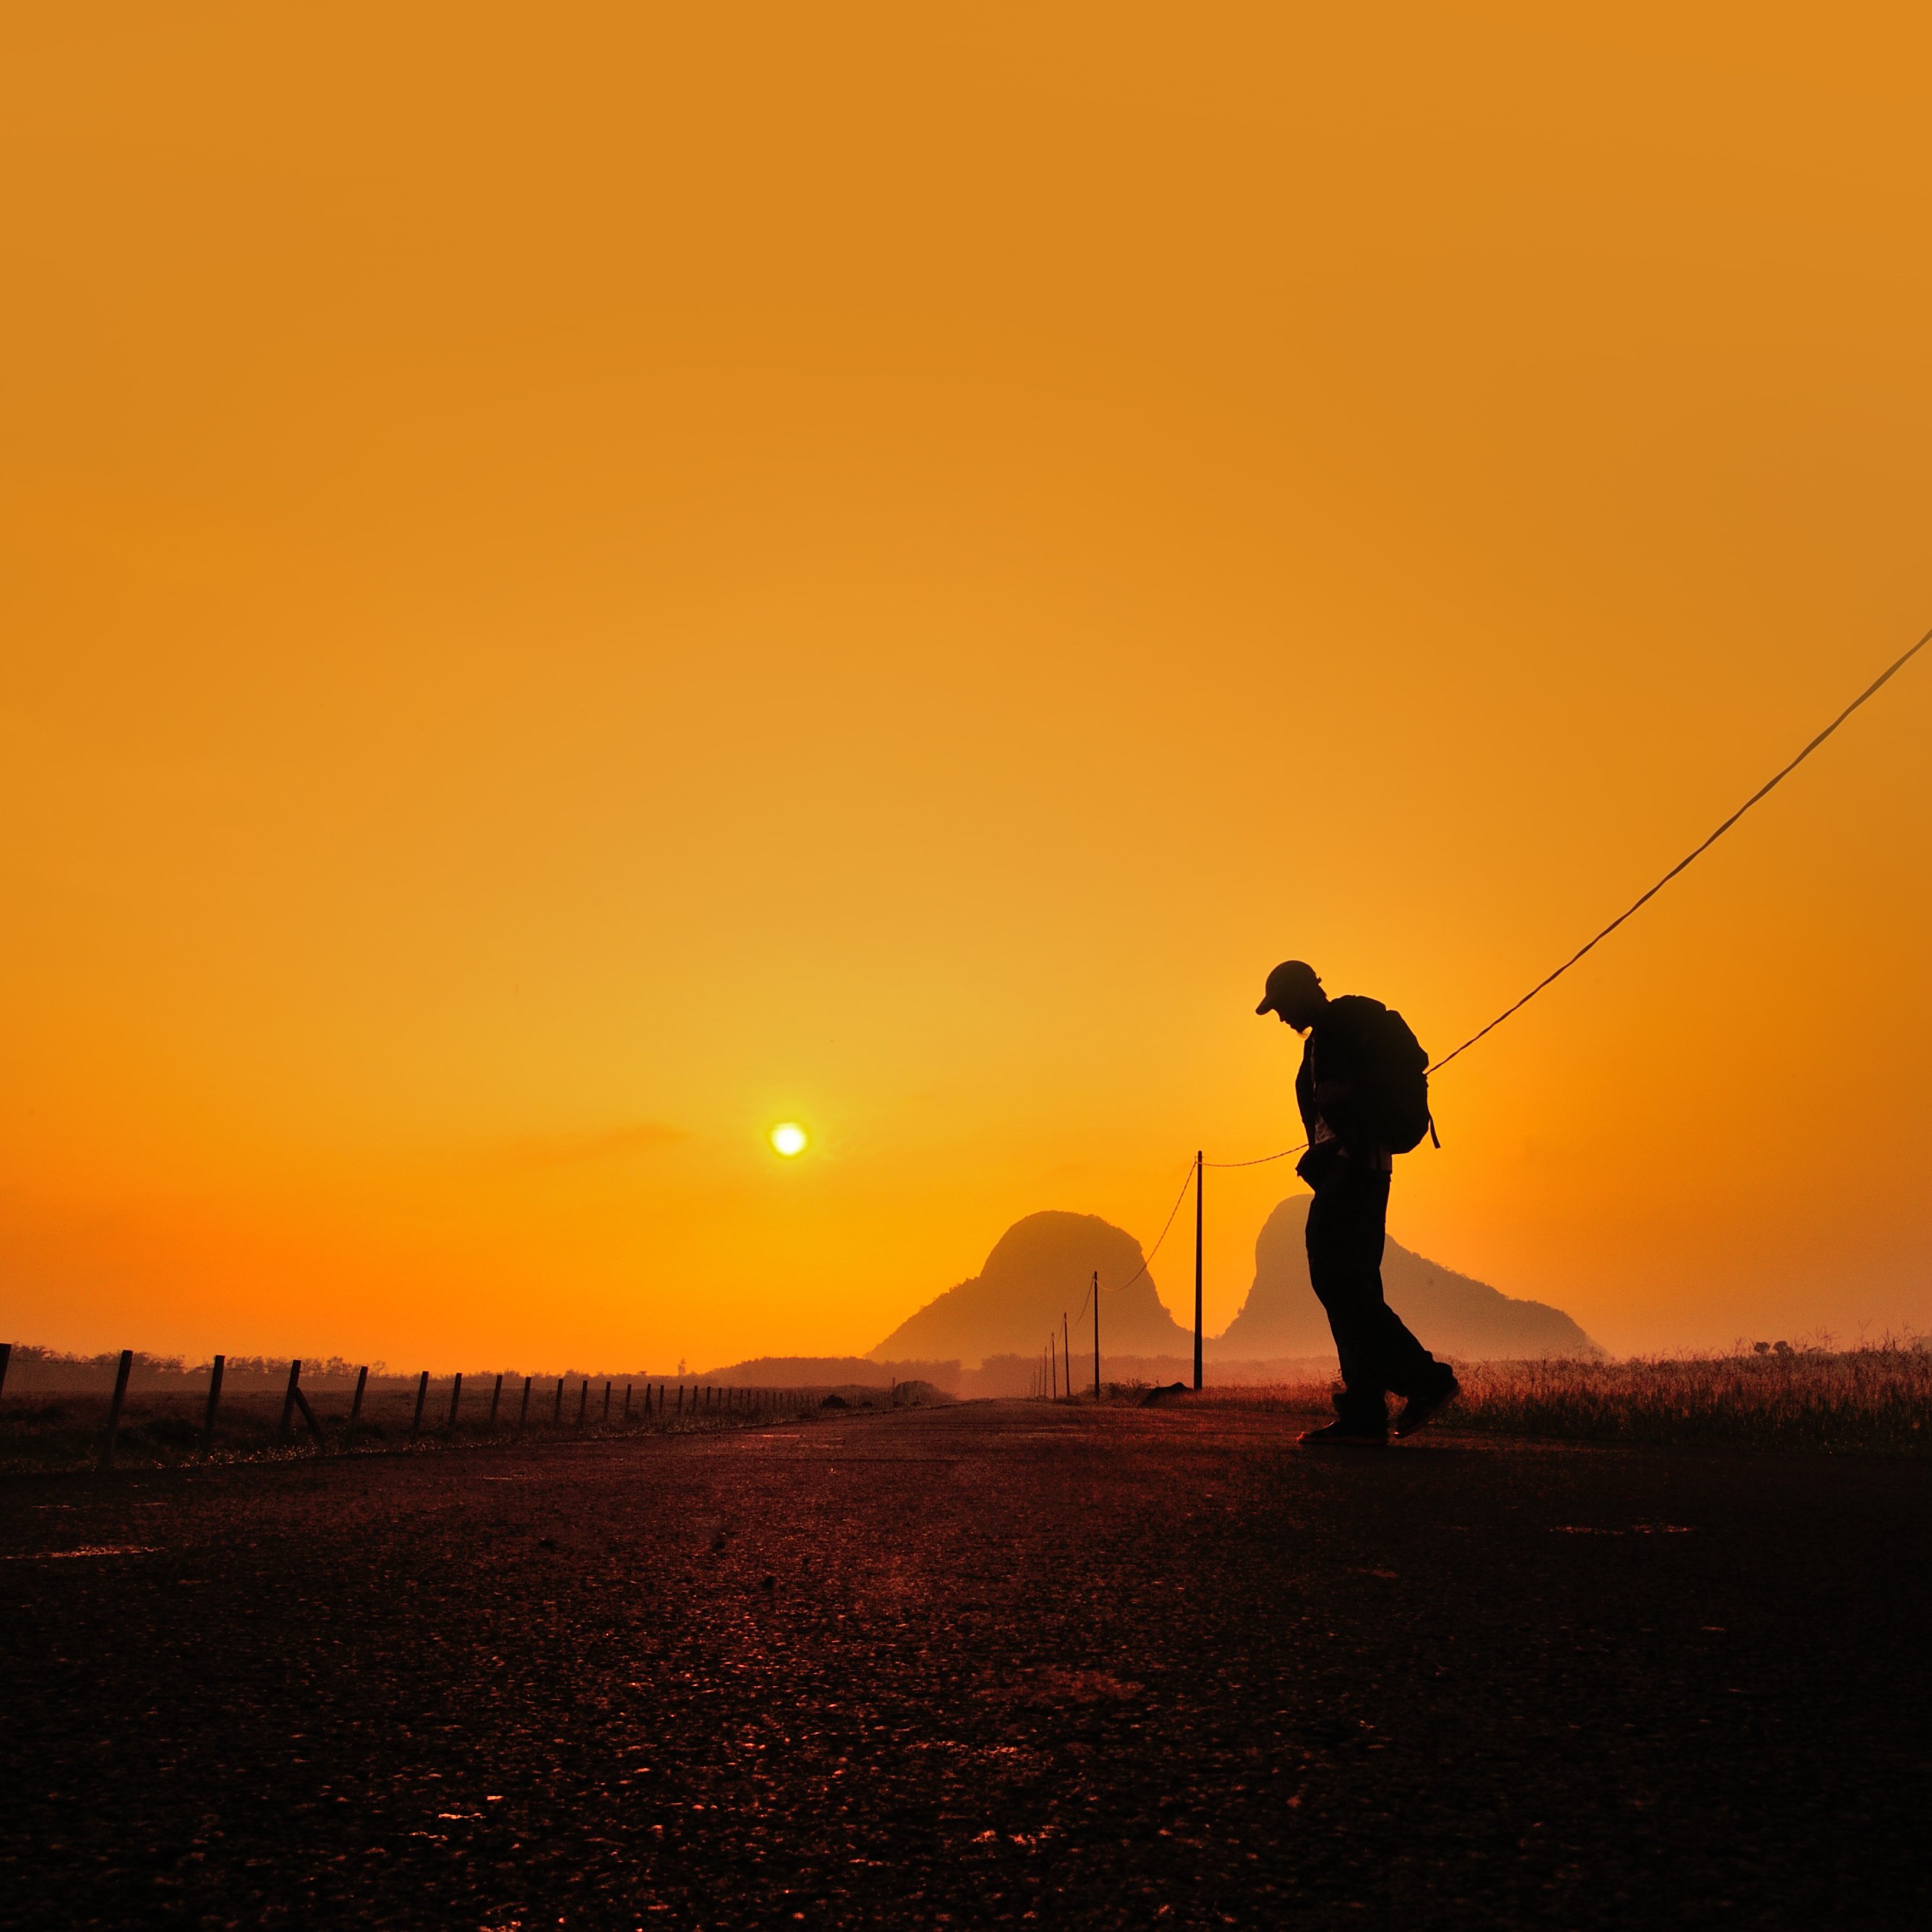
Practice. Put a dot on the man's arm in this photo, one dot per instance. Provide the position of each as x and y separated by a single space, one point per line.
1341 1074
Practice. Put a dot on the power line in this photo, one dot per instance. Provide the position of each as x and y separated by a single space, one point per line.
1260 1160
1770 785
1147 1260
1764 790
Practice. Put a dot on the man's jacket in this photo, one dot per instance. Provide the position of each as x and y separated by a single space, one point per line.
1336 1081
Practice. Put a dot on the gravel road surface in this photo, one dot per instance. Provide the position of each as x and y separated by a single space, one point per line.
971 1666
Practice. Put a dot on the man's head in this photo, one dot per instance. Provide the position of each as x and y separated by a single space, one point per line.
1295 994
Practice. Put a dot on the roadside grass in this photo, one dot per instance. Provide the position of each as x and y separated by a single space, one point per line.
63 1432
1876 1400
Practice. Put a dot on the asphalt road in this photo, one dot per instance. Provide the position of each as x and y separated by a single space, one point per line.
971 1666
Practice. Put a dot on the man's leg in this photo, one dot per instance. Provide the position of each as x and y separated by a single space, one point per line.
1347 1227
1403 1363
1345 1246
1407 1367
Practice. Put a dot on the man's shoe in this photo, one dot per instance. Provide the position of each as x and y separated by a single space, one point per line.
1343 1435
1420 1409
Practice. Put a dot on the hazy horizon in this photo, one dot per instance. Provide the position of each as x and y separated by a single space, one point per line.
1215 1339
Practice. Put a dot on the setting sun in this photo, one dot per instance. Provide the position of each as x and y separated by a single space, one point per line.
789 1138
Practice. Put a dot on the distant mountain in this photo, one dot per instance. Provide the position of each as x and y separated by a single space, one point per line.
1452 1314
1040 1269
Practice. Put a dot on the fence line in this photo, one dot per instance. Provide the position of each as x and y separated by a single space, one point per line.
401 1417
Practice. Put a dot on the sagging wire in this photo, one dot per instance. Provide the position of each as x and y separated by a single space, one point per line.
1147 1260
1260 1160
1770 785
1870 691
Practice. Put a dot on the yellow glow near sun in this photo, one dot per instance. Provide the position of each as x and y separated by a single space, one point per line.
789 1138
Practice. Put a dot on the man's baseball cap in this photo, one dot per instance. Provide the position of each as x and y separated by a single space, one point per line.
1292 976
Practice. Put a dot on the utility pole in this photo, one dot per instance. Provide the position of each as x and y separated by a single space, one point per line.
1053 1360
1198 1170
1096 1334
1066 1352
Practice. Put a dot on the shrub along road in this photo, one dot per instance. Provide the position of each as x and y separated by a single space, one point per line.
968 1665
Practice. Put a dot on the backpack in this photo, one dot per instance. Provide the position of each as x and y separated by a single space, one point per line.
1398 1078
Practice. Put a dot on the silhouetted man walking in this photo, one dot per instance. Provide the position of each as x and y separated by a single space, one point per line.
1364 1093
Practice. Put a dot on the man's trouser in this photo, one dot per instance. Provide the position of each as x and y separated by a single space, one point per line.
1346 1227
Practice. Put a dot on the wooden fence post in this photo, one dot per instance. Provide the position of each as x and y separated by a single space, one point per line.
455 1397
496 1398
361 1383
422 1396
120 1376
215 1374
314 1427
523 1414
582 1401
627 1402
289 1398
6 1356
607 1401
556 1413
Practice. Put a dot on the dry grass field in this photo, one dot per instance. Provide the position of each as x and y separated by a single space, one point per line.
1877 1400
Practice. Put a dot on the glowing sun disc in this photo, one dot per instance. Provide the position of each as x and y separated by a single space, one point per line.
789 1138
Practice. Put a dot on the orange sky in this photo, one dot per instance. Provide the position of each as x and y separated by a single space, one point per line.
579 581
